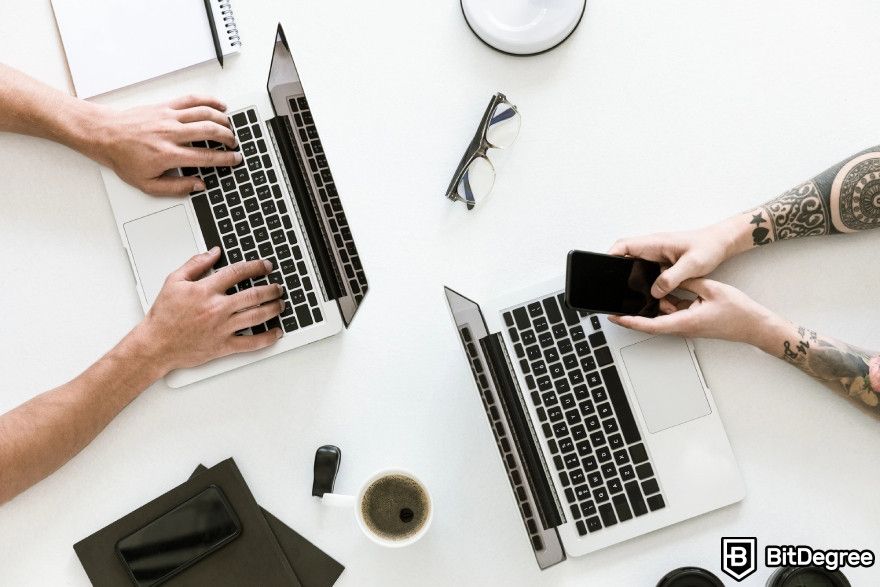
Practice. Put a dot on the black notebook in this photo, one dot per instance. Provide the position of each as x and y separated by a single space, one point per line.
263 554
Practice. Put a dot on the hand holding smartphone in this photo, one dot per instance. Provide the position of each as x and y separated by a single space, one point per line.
609 284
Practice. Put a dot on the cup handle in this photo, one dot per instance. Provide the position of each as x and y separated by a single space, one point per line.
339 500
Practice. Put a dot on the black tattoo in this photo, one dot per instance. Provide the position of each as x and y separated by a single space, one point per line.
857 189
798 212
852 370
760 236
844 198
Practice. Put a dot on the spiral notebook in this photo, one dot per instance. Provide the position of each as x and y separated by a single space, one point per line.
111 44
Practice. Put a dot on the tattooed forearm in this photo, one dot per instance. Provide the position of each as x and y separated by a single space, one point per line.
845 198
854 371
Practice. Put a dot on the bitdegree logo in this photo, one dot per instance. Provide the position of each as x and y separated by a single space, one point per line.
788 555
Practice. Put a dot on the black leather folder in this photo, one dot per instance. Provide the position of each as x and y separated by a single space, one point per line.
258 556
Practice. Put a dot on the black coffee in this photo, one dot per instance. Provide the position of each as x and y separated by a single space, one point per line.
395 507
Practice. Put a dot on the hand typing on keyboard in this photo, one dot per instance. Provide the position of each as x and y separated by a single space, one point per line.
193 320
139 144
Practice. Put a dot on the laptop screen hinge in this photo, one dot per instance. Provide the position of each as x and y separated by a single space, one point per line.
521 427
305 205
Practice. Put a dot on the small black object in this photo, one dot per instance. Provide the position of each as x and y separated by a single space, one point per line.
690 577
327 459
406 515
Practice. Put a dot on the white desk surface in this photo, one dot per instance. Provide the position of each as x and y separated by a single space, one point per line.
653 116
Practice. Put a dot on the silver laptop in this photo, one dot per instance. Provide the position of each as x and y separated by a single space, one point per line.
280 204
605 433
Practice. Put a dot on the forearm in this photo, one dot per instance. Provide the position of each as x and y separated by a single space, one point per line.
853 371
30 107
42 434
844 198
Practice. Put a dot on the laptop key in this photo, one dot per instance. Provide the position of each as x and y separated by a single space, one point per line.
304 316
627 473
621 507
590 463
551 307
635 498
593 524
603 356
650 486
582 528
597 339
614 486
655 502
638 453
584 448
615 441
607 514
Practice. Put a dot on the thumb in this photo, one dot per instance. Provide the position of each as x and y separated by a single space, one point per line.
671 278
166 185
197 265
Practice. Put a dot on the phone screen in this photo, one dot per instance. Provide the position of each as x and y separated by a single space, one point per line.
608 284
179 538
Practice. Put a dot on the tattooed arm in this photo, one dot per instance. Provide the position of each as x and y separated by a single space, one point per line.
842 199
845 198
722 311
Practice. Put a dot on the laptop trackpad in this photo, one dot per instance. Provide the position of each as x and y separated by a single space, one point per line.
665 382
159 243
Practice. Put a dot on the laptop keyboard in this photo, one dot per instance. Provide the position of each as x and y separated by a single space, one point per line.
243 211
585 416
329 197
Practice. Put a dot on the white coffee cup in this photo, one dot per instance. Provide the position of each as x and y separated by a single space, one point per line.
357 502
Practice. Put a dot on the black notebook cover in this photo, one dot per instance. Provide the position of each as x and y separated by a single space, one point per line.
255 557
313 567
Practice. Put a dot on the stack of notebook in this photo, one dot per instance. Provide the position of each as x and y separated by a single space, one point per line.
266 552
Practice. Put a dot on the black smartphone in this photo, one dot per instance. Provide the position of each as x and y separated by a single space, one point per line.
608 284
179 538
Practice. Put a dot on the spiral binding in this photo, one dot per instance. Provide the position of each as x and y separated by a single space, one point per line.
228 18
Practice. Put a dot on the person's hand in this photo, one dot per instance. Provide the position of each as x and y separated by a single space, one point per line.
688 254
142 143
193 320
719 311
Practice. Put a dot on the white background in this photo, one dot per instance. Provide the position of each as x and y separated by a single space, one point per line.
653 116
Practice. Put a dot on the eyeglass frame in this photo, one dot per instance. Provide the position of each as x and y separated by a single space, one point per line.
478 147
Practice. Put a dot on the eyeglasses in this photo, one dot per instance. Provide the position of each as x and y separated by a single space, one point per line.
475 174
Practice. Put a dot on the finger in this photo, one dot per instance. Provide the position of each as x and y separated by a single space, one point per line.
672 277
254 342
197 266
667 306
254 296
669 324
232 274
640 246
173 186
620 247
199 113
198 157
699 285
194 100
205 130
254 316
